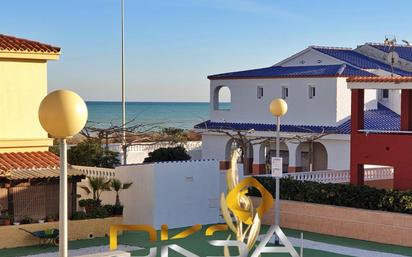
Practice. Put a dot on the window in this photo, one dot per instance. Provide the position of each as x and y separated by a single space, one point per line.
259 92
312 92
285 92
385 93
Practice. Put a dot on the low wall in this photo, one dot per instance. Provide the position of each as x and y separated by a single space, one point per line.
179 193
11 236
376 226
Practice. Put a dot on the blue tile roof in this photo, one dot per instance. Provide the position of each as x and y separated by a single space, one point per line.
382 119
405 52
340 70
358 60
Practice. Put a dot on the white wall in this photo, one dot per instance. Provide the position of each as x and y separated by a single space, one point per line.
175 193
338 153
138 200
343 100
394 101
246 107
214 146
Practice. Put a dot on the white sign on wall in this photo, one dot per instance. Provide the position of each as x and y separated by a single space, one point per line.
277 169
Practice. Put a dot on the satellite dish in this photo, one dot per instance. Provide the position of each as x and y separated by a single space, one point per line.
392 57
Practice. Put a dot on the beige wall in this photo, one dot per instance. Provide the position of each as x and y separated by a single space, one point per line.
23 84
11 236
376 226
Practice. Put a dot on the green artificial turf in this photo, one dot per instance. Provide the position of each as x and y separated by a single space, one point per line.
197 243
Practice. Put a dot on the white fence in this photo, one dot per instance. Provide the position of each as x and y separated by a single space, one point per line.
149 147
96 171
137 153
341 176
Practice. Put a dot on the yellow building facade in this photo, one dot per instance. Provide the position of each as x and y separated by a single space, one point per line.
23 84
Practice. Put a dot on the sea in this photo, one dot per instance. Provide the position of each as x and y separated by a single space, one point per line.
182 115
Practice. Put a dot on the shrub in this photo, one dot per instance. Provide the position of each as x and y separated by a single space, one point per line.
89 202
177 153
79 215
109 208
98 213
91 153
26 220
362 197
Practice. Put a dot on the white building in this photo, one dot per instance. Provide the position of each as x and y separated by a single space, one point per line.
313 82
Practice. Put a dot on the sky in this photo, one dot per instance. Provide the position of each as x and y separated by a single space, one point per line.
173 45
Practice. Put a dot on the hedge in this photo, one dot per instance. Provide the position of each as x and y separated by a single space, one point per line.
363 197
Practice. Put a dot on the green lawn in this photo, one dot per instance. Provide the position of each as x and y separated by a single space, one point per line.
197 243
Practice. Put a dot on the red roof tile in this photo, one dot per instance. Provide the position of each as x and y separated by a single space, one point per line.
14 44
379 79
27 160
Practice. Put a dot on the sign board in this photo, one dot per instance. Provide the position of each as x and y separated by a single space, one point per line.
277 169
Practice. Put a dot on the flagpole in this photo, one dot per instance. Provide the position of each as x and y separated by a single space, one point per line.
123 89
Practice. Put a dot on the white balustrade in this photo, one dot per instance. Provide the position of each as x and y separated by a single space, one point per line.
149 147
339 176
95 171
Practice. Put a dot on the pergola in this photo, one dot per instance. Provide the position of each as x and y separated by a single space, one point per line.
381 147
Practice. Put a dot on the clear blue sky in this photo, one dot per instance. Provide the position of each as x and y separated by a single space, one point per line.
172 45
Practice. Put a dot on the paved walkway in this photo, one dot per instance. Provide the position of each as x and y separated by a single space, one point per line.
356 252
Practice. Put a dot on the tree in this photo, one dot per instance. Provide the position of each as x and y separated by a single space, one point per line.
116 185
96 186
134 134
177 153
91 153
174 135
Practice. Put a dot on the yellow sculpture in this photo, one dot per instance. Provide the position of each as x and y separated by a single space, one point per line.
247 219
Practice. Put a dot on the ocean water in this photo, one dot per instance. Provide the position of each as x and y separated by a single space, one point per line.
164 114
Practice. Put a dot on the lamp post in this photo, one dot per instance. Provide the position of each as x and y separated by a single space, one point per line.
63 114
278 107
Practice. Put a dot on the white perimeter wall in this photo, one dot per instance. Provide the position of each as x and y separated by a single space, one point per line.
175 193
247 108
138 199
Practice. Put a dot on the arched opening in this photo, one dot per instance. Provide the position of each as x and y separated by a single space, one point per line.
246 155
269 150
313 156
222 98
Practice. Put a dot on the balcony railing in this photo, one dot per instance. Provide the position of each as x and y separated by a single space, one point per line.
340 176
96 171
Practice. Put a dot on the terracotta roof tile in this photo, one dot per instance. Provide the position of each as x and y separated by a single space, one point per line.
379 79
14 44
27 160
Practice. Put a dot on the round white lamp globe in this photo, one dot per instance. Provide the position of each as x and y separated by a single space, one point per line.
63 113
278 107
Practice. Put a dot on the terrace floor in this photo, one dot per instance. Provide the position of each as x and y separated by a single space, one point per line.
316 245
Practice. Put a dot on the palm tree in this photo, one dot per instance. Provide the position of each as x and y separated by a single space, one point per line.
116 186
96 186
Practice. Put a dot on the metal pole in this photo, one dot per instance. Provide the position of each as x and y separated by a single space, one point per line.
63 243
123 89
277 201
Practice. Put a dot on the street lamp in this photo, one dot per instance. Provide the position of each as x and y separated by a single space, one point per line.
278 107
63 114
